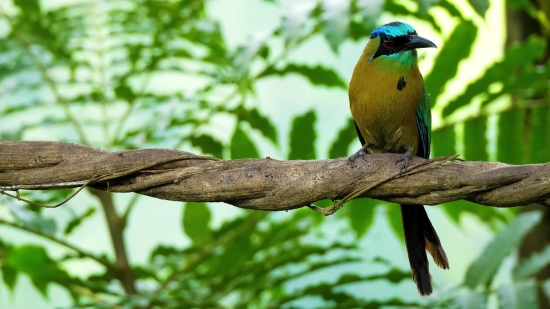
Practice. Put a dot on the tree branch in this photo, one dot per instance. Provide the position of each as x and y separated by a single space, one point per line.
124 272
267 184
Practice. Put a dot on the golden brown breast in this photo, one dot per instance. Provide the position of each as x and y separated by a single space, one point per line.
385 115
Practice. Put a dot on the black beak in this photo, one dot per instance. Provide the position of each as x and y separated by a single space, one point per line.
416 41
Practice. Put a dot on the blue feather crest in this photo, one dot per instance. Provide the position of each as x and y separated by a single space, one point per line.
393 29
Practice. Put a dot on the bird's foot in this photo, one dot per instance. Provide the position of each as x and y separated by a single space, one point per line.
360 153
406 159
326 211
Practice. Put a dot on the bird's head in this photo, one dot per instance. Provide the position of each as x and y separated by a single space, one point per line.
396 43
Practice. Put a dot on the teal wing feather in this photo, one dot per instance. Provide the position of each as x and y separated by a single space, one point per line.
424 123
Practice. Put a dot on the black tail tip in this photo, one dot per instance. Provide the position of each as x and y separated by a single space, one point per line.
423 282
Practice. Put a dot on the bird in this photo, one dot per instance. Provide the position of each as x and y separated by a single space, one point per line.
390 107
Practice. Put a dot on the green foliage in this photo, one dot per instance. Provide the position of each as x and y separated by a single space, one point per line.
242 146
345 137
195 223
257 121
264 258
531 266
393 211
317 75
492 217
539 120
302 137
521 294
360 214
480 6
31 219
473 300
511 137
516 75
78 220
546 288
484 268
474 149
449 58
443 141
34 262
207 145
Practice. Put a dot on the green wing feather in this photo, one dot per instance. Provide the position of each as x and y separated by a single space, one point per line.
424 123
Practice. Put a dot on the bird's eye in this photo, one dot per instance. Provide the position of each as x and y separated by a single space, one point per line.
388 44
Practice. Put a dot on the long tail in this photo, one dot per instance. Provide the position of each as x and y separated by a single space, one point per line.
420 236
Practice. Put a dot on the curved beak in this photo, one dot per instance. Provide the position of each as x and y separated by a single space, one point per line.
416 41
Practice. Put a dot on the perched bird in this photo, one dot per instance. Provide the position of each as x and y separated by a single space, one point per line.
391 110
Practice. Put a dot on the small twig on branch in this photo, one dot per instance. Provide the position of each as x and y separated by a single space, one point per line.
268 184
327 211
18 197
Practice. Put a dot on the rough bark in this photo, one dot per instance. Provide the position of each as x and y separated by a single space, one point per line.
268 184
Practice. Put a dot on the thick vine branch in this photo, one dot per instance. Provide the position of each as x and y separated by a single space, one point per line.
267 184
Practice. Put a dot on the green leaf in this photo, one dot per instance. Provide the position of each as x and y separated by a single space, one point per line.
328 292
9 276
317 75
472 300
424 6
480 6
393 211
519 295
207 144
397 8
532 265
519 4
279 280
242 146
491 216
195 223
456 48
302 137
546 289
443 142
33 220
35 262
486 265
450 8
516 61
238 252
125 92
540 122
511 143
244 55
453 210
257 121
344 139
360 213
76 221
475 140
294 27
28 6
335 21
365 20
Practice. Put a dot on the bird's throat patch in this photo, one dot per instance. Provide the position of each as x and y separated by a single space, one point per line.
401 83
